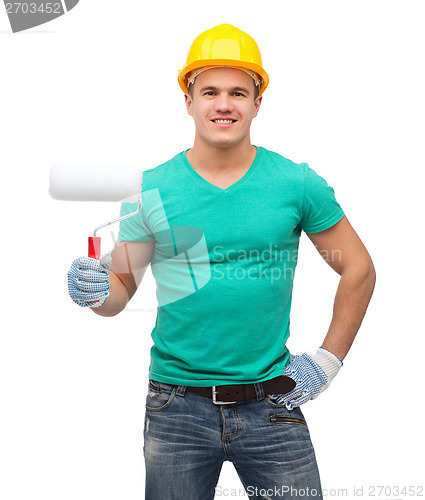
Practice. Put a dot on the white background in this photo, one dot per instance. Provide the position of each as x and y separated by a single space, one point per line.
99 86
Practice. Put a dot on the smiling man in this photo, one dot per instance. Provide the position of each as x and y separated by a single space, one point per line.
221 224
223 104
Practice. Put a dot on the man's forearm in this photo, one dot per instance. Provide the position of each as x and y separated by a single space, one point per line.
117 299
352 298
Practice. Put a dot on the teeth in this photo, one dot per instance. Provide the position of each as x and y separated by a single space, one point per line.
223 121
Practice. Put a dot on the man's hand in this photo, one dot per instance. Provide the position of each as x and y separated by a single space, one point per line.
88 281
313 374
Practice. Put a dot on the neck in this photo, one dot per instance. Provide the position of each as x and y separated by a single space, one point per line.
214 159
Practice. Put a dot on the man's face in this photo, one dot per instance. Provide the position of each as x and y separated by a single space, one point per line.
223 94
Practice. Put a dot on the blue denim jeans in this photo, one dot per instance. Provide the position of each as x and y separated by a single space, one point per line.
187 438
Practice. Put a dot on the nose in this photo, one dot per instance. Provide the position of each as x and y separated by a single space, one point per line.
223 102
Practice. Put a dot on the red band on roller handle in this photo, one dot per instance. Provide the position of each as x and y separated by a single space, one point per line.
94 247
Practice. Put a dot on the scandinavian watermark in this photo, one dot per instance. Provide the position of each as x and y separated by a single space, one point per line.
372 492
185 263
26 15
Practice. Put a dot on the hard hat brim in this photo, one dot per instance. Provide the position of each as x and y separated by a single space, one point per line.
182 77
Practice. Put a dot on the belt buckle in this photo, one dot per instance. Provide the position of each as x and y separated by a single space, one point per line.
214 398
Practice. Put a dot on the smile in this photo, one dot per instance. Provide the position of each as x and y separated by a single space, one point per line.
224 123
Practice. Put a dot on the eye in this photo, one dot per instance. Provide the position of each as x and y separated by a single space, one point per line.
238 94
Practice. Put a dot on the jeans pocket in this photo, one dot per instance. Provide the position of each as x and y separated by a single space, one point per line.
159 396
273 403
282 415
286 419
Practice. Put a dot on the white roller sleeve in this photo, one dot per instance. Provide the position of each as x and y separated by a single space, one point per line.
95 183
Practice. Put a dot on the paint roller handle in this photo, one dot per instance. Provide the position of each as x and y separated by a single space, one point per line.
94 247
94 241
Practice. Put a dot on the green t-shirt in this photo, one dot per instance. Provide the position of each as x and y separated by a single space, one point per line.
224 263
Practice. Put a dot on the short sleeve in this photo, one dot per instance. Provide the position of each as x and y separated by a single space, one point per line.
320 210
134 228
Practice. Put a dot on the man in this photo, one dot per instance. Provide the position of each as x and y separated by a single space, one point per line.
220 225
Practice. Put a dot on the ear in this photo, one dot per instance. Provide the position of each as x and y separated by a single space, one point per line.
188 102
257 104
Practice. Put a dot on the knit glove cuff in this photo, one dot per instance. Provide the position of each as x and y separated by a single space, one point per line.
329 363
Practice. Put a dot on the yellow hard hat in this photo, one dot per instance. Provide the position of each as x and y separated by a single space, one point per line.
224 46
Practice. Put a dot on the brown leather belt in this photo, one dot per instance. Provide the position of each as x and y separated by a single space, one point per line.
226 394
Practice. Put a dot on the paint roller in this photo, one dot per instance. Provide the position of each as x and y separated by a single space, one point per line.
97 183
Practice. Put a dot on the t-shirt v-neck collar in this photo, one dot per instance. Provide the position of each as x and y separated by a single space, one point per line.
213 187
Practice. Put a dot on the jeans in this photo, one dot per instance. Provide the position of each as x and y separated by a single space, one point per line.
187 438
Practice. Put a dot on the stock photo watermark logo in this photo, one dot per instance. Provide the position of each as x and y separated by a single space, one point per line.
26 15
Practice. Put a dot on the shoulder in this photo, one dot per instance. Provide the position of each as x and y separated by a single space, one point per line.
162 172
284 165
